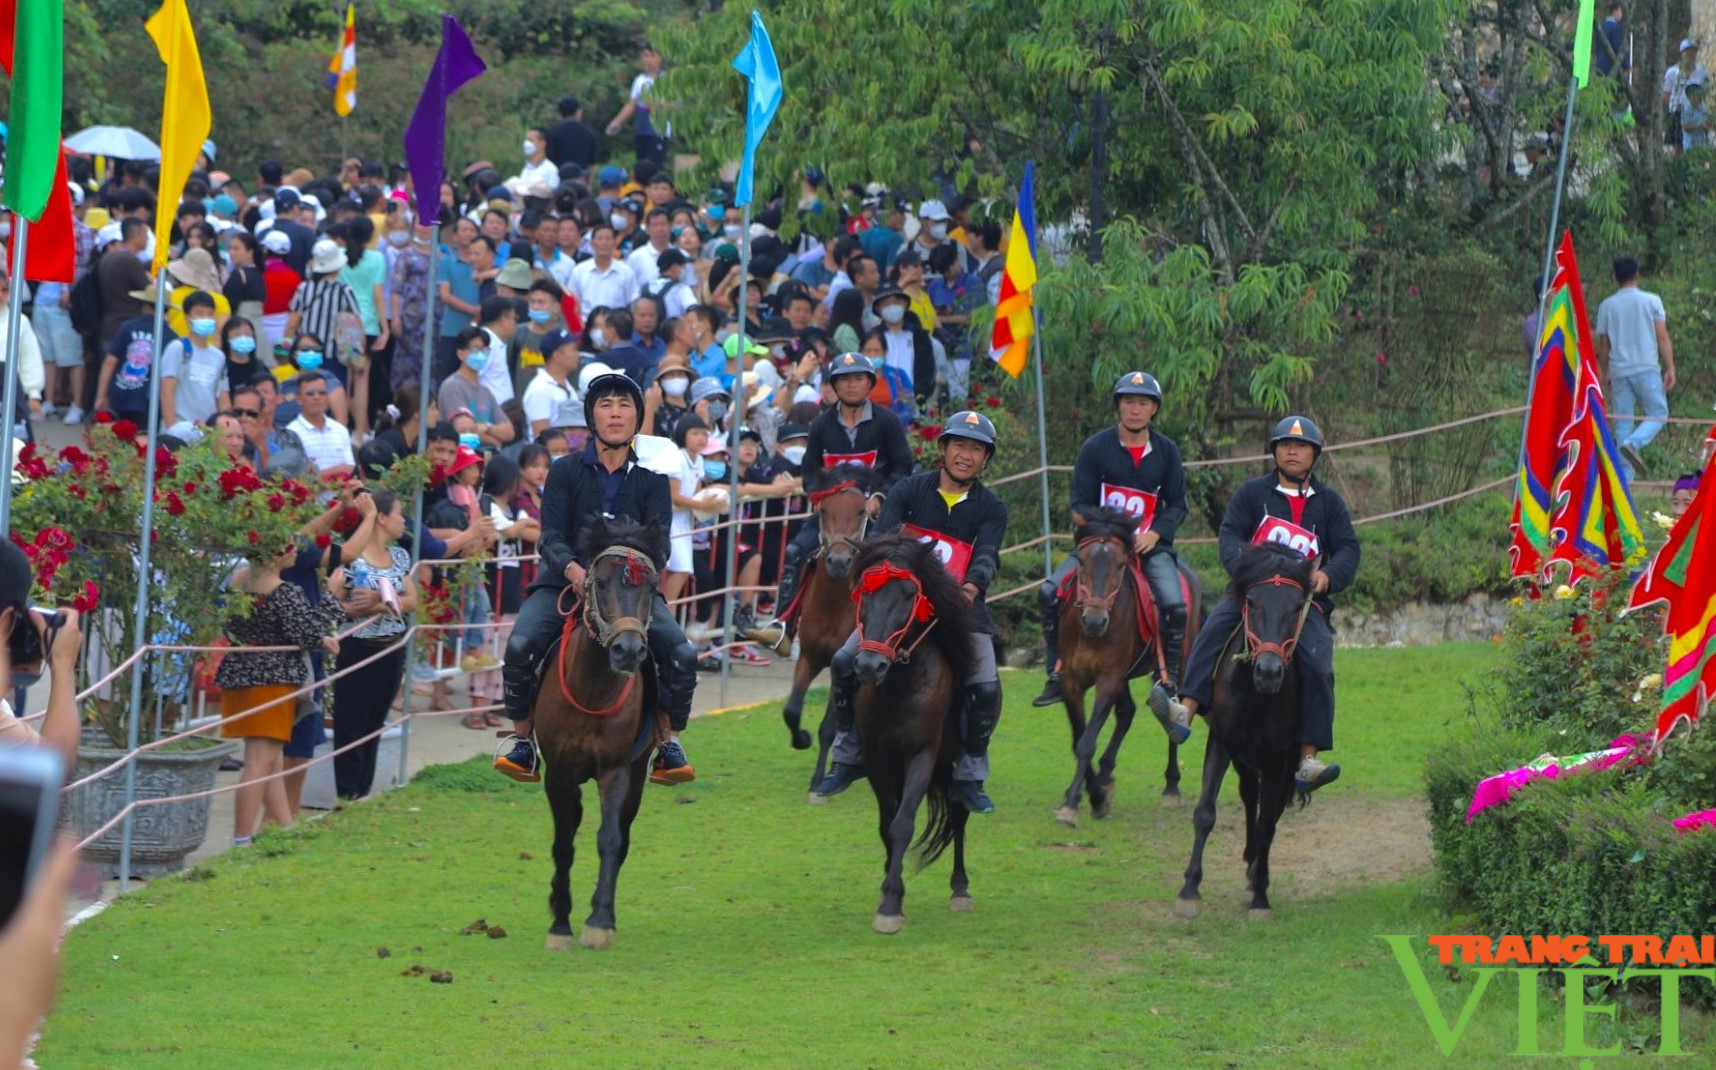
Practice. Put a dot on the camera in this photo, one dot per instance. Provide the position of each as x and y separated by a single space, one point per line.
27 646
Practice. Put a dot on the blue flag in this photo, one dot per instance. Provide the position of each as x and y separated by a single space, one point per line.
756 61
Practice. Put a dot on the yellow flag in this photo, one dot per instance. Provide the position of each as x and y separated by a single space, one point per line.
185 116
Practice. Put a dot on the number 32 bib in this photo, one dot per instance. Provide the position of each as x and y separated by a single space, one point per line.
1140 503
1286 533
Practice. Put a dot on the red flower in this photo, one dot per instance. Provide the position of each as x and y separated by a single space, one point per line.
276 502
104 417
255 539
994 402
124 430
348 521
89 599
1412 291
165 463
929 432
175 505
190 488
76 458
323 542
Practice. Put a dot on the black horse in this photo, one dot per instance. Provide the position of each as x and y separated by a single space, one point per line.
1254 716
913 663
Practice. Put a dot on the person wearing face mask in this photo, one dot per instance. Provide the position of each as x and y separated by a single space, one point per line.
710 400
238 343
193 373
537 166
908 348
464 389
665 400
932 227
786 465
543 316
604 281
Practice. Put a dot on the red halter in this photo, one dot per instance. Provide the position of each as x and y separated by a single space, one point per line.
635 571
1284 651
873 580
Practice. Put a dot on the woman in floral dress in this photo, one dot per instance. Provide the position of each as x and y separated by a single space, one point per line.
409 289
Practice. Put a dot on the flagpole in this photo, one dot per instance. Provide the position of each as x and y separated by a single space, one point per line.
736 413
1042 442
14 324
423 398
145 576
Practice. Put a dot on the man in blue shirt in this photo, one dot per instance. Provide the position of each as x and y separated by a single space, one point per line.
1611 55
460 295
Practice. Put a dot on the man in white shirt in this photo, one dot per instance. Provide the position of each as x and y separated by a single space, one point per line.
498 317
537 166
659 229
327 443
602 281
552 387
669 284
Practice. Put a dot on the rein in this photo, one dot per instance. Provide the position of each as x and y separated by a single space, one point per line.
923 612
1255 646
637 571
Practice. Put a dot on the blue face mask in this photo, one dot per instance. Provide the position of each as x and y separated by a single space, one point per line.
242 343
540 315
715 469
477 361
309 359
471 442
202 327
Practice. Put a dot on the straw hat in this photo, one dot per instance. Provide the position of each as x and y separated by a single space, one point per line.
195 269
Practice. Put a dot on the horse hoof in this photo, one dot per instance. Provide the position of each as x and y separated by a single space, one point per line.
596 939
889 924
962 904
1067 816
817 800
800 739
1187 908
1260 914
558 942
1173 800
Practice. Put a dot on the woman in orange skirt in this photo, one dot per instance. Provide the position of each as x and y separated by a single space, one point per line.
255 702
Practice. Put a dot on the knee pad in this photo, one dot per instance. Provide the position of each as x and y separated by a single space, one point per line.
984 696
844 667
1048 597
520 650
682 659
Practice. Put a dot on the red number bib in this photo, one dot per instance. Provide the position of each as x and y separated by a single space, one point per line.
952 553
835 460
1287 533
1140 503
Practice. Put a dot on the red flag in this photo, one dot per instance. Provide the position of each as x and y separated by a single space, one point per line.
1684 576
51 255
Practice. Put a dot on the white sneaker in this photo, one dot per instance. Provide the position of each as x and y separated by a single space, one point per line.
48 409
74 416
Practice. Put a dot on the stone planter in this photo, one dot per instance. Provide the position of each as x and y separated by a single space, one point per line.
161 836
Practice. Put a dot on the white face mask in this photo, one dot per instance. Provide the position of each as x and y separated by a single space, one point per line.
732 231
794 454
619 221
675 386
893 313
397 237
529 150
939 231
598 338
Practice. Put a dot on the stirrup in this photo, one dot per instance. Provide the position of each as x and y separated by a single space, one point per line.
503 750
773 634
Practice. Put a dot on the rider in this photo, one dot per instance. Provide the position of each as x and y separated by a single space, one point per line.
852 432
602 482
1289 507
966 522
1134 467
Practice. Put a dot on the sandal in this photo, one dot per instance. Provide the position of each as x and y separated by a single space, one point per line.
495 720
475 721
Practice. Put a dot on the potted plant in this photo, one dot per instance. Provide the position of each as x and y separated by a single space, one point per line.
77 515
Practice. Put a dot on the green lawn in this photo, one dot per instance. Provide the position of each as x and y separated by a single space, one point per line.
745 939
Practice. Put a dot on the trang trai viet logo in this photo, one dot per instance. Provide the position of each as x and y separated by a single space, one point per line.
1580 960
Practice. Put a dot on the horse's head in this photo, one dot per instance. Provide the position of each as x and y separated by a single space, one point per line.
1104 556
839 496
1275 583
900 585
619 589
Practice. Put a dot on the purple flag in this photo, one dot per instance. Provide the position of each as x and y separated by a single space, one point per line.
426 135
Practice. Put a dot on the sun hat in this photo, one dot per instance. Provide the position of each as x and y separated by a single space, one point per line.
326 256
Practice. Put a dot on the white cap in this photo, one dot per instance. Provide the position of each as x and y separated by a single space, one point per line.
276 242
588 373
932 210
1688 42
76 193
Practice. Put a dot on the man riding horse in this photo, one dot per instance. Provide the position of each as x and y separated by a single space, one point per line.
965 522
1134 467
1291 508
852 432
604 481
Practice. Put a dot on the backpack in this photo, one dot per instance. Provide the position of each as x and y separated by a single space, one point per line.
85 307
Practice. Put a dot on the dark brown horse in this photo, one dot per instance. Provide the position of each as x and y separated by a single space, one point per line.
1254 715
596 717
1102 644
913 660
824 608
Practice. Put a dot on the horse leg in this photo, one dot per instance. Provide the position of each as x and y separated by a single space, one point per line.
1277 789
825 733
566 802
1084 749
1203 820
961 901
1102 797
614 785
793 711
1248 794
1171 777
890 912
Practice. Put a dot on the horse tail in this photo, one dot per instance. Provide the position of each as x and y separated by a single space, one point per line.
938 833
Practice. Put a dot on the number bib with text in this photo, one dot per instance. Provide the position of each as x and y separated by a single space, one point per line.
835 460
1287 533
1140 503
952 553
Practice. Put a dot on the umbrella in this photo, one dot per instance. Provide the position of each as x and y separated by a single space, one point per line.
119 142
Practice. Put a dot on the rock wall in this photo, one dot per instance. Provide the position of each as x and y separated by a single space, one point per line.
1479 617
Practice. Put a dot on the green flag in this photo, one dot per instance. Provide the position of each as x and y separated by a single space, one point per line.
38 91
1582 41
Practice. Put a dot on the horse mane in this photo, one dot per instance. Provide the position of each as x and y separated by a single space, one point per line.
952 637
862 475
1107 522
646 539
1259 563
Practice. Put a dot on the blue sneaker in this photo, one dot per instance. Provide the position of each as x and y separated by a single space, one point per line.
970 794
520 763
1176 719
671 765
839 778
1314 774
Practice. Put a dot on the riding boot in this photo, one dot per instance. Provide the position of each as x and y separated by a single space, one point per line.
1049 606
775 634
1171 625
843 686
982 714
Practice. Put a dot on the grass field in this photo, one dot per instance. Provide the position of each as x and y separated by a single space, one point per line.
744 925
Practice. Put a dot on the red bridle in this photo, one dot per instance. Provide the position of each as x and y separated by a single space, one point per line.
827 540
923 612
1088 600
1284 651
635 571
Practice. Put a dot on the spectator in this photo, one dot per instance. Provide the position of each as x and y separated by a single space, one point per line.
1674 83
908 274
459 291
327 443
1612 56
498 319
62 724
32 376
193 373
122 388
365 274
307 354
245 289
603 281
280 282
1636 359
502 500
646 332
664 401
1694 118
463 391
569 140
620 352
552 386
846 321
650 145
321 307
228 435
408 307
538 168
1532 327
1685 489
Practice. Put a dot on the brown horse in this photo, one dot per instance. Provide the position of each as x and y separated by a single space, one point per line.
595 717
913 660
1102 644
824 607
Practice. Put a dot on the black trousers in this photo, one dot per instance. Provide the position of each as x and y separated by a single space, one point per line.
361 702
539 621
1314 658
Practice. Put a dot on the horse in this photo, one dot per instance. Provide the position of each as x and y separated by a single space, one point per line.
913 660
593 716
823 606
1253 718
1102 643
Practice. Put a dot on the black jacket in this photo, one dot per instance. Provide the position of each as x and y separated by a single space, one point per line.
979 520
570 141
1102 459
572 498
1325 516
882 432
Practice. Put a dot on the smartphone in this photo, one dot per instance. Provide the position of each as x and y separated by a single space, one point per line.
30 782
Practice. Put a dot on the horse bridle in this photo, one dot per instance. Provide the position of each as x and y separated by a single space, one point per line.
1088 600
1284 650
825 541
639 571
923 612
